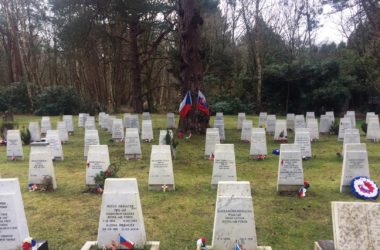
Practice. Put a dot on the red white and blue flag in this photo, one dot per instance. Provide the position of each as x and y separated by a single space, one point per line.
127 243
201 103
185 105
237 247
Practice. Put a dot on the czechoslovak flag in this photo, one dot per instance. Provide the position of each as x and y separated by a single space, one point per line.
201 103
127 243
185 105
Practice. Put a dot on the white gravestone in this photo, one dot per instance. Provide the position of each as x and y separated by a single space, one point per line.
162 138
224 168
351 114
41 165
258 142
170 121
356 225
234 217
126 120
344 123
35 133
45 124
263 120
161 168
69 123
82 119
90 123
246 130
280 133
355 163
219 124
302 138
271 124
219 116
331 114
290 120
310 115
147 130
109 123
312 125
373 128
117 129
212 138
325 123
121 213
62 130
52 137
98 159
132 147
102 119
351 135
135 122
13 226
299 121
14 145
368 115
290 173
241 118
146 116
91 137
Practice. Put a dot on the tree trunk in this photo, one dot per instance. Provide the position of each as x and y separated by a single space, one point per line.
257 56
191 73
135 65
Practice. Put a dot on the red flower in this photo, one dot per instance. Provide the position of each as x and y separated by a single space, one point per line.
26 246
108 173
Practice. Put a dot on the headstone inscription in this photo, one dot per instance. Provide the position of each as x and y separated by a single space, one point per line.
41 165
290 173
68 119
212 138
302 138
35 133
219 124
117 130
161 168
258 142
45 124
271 124
132 147
262 120
91 137
147 130
62 131
52 137
14 145
246 130
290 120
280 133
98 160
224 167
241 118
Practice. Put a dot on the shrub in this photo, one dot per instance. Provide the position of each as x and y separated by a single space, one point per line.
230 107
5 126
334 128
15 97
25 136
364 127
57 100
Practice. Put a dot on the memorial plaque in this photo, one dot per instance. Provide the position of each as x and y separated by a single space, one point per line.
147 130
241 118
45 124
41 165
219 124
117 130
161 168
14 145
290 120
212 138
312 125
246 130
271 124
356 225
224 168
52 137
344 123
234 218
299 121
13 226
68 119
355 163
35 133
170 121
62 131
281 133
258 142
290 173
91 137
98 160
262 120
121 213
132 147
325 123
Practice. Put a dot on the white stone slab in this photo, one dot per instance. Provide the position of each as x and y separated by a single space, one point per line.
219 124
234 220
224 167
299 121
212 138
280 133
91 137
312 125
262 120
45 124
110 119
351 114
302 138
102 119
351 135
246 130
69 123
241 118
290 120
98 159
52 137
90 123
325 123
132 147
146 116
14 145
258 142
373 129
34 130
331 114
219 116
161 168
355 163
121 213
310 115
41 165
170 120
271 124
82 119
135 121
356 225
290 173
117 129
62 131
14 227
147 130
368 115
344 123
126 120
234 188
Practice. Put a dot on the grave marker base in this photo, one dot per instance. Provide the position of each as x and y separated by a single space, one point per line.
324 245
154 245
158 187
132 157
14 158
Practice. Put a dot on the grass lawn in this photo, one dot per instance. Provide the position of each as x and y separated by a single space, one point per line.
69 216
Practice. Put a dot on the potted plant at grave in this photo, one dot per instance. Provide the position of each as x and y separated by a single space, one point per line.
25 136
171 140
101 177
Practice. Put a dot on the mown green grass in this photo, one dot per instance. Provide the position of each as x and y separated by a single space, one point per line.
69 216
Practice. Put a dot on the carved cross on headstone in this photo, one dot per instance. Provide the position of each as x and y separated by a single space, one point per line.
164 187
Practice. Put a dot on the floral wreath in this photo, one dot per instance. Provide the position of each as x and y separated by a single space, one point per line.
28 243
364 188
